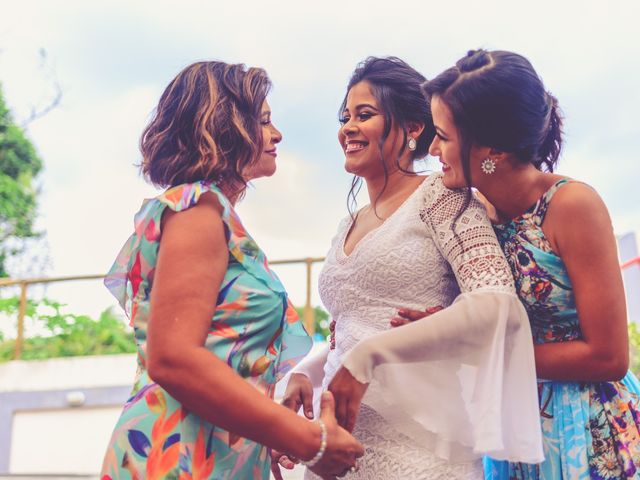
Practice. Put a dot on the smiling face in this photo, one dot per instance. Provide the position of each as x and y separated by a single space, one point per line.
361 134
271 136
446 146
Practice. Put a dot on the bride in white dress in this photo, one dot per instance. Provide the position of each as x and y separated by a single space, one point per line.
458 384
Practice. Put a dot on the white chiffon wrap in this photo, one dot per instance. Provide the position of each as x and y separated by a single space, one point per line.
460 383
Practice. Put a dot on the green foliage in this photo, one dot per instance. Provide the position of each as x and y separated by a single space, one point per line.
634 348
19 165
321 318
62 334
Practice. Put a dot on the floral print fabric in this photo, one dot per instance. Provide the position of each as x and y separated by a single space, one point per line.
590 430
254 329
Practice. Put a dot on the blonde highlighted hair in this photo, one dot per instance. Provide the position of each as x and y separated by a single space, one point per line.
206 126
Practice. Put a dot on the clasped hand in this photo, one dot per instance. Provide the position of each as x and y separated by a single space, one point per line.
347 395
342 449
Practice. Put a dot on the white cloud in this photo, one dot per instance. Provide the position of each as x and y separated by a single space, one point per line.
114 58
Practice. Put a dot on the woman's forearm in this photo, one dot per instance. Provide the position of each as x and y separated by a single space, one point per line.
578 361
208 387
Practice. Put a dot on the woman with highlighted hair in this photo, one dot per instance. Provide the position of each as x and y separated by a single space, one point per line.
213 324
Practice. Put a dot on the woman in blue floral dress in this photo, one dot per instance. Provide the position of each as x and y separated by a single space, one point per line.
598 421
500 132
213 324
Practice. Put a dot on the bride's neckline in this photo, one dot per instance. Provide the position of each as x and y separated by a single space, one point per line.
373 231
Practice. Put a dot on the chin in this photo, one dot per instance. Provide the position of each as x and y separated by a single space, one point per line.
269 171
352 167
264 170
452 183
264 173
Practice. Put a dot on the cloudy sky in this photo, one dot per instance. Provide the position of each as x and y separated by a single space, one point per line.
112 60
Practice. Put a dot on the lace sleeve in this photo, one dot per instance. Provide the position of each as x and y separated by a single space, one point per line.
466 238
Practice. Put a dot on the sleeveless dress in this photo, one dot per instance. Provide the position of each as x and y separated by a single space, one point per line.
415 260
254 329
590 430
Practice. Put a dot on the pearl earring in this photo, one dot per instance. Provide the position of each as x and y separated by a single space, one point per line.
411 144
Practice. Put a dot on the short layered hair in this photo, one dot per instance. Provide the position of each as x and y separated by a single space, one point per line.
206 126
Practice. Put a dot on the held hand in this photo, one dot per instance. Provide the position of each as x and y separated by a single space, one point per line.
407 316
342 449
348 393
299 393
279 459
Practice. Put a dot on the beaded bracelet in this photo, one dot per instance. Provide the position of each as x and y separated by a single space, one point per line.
323 446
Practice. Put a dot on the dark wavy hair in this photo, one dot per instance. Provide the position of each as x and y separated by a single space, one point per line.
206 126
498 100
397 88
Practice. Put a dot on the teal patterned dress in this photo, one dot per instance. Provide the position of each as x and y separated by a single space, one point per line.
590 430
254 329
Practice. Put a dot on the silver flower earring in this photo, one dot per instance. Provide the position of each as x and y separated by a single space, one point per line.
488 166
411 144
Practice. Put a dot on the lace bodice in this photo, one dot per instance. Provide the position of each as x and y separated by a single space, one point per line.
415 259
444 389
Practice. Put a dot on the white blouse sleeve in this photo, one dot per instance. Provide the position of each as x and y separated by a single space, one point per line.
313 365
462 381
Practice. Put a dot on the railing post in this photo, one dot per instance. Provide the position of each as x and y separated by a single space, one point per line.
22 310
308 317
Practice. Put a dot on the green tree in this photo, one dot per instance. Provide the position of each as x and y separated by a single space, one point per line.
19 165
321 320
63 334
634 348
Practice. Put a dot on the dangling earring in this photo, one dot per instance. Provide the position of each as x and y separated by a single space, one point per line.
488 166
411 144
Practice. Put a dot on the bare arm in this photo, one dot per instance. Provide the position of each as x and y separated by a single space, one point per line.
579 229
191 265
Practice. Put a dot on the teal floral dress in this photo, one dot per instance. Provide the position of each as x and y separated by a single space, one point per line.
590 430
254 329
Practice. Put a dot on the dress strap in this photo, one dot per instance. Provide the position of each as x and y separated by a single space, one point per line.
541 208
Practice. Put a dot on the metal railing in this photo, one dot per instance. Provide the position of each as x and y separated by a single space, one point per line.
307 318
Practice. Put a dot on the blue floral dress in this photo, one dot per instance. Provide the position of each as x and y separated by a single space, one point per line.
590 430
254 329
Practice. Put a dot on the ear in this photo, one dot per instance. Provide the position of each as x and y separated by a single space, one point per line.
415 129
481 153
497 155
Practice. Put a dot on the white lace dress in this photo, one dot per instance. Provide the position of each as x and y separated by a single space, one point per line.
441 389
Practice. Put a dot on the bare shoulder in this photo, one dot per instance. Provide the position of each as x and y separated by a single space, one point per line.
210 200
577 219
574 202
